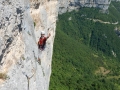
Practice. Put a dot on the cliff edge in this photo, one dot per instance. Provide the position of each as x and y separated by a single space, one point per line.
20 27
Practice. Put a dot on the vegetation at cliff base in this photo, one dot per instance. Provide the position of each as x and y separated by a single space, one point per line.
87 50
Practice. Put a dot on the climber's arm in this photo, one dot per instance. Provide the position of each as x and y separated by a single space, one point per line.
48 36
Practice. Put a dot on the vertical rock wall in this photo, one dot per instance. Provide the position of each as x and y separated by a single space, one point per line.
44 15
20 27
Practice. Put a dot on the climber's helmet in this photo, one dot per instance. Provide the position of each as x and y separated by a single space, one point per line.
42 33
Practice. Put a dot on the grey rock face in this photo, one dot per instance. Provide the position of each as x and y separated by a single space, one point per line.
69 5
115 0
18 44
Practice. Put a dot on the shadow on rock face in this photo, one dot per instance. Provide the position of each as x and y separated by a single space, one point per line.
9 41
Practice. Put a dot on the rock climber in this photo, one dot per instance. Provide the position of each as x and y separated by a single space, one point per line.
42 40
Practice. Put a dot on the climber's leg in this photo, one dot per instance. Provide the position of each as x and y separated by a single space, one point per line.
39 60
42 47
39 56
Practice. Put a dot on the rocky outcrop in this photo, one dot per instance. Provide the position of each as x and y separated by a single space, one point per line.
115 0
69 5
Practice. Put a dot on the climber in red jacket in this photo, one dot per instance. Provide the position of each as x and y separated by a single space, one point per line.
42 40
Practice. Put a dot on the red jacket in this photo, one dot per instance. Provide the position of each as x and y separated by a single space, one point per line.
42 41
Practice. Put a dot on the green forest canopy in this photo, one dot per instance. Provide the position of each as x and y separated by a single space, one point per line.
87 53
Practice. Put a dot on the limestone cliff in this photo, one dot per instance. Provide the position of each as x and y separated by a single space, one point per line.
69 5
19 67
115 0
21 22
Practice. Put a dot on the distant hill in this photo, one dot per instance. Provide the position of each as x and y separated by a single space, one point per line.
87 50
